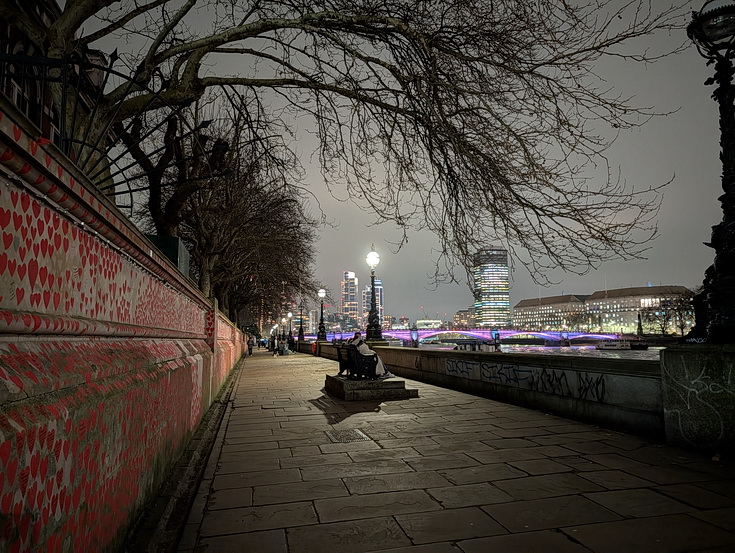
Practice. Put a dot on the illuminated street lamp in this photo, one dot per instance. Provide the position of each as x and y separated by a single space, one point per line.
713 32
283 328
322 332
373 331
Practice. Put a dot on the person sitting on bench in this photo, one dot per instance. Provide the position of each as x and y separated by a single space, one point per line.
364 349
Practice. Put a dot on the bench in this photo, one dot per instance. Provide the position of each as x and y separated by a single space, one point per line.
355 364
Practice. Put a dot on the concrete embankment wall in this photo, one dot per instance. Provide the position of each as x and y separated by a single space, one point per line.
615 393
109 357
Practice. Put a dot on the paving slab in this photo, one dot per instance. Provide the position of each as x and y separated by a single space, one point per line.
530 542
543 514
374 505
298 491
445 473
667 534
453 497
639 503
249 519
453 524
390 482
550 485
379 534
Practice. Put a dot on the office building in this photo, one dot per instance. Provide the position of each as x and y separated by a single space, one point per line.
349 301
379 303
551 313
608 311
464 318
491 288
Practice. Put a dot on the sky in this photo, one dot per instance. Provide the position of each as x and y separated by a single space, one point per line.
683 145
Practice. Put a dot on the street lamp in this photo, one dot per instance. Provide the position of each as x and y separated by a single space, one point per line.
322 332
283 328
301 320
289 315
713 32
373 331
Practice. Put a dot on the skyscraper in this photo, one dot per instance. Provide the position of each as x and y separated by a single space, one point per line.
350 302
491 288
366 295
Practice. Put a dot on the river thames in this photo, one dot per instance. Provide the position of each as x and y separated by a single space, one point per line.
651 354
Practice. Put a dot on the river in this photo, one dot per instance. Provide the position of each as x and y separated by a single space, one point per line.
650 354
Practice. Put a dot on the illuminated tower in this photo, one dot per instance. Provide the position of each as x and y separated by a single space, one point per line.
366 293
350 302
491 288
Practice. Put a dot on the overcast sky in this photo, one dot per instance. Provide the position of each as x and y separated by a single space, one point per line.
683 145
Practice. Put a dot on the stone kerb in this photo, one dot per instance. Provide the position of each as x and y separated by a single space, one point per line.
105 371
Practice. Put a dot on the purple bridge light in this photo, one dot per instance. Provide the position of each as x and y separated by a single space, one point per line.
482 334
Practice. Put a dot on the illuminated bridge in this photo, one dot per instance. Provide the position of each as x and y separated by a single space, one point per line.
482 334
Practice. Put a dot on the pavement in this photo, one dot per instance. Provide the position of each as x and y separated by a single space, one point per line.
293 470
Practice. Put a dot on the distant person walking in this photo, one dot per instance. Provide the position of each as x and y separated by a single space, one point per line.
251 343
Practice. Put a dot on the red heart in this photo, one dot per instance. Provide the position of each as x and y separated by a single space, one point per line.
4 217
7 240
25 202
12 469
16 132
5 452
19 294
32 272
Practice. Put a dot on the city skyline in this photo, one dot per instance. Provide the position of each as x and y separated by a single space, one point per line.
683 145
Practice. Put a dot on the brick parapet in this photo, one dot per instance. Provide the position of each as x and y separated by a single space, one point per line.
109 357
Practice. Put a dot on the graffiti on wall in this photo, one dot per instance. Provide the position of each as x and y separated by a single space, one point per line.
581 385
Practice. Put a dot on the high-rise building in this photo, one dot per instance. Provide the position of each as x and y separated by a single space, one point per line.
349 301
379 296
491 288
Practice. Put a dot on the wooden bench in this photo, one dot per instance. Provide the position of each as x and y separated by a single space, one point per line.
355 364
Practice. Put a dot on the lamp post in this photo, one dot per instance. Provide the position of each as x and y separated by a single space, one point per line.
322 332
713 32
301 321
283 328
373 332
289 315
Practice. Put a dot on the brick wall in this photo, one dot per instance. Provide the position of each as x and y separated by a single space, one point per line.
108 357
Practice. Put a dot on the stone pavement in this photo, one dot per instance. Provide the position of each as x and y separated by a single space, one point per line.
445 473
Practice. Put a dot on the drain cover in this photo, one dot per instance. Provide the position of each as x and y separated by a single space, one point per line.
346 436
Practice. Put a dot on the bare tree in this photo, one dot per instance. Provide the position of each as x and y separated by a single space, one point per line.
434 114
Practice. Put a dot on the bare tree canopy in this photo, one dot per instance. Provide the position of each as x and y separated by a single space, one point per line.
476 119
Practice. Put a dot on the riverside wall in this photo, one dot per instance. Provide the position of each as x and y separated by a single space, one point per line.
109 356
616 393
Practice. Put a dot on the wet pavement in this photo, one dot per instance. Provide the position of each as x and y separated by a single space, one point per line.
296 471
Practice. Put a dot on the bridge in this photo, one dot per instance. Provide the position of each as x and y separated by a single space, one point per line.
482 334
